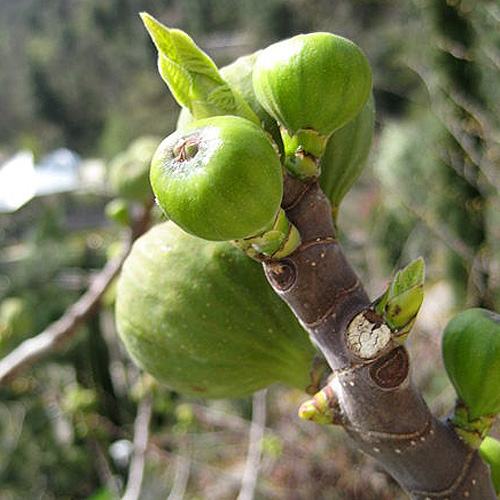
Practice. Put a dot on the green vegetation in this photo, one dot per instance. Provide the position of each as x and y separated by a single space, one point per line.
80 74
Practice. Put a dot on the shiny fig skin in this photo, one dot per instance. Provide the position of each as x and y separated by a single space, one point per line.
315 81
201 318
218 178
471 354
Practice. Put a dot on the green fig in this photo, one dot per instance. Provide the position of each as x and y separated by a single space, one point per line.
471 354
312 85
117 210
346 154
219 178
490 451
201 318
129 170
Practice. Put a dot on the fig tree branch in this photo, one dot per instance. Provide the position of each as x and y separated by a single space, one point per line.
57 334
372 394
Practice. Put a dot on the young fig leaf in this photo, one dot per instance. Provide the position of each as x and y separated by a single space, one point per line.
400 303
192 77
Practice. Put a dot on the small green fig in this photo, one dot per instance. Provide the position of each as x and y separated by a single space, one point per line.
201 318
471 354
129 170
117 210
346 154
219 178
314 81
490 451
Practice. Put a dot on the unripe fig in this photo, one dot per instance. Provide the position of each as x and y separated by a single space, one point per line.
219 178
471 354
201 318
316 81
117 210
490 451
345 156
129 170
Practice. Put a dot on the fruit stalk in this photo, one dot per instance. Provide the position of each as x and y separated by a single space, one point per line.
375 399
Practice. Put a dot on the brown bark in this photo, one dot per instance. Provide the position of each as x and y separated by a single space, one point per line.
378 405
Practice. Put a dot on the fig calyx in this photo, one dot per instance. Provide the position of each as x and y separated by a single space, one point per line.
219 178
202 319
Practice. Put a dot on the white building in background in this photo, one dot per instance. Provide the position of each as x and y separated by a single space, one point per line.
60 171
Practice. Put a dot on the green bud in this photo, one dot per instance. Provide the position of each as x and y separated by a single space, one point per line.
219 178
471 354
201 318
401 302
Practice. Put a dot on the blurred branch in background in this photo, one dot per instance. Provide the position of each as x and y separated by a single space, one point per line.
57 334
140 443
257 430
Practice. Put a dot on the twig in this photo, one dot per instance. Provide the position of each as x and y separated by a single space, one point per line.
182 469
59 332
257 429
141 438
103 469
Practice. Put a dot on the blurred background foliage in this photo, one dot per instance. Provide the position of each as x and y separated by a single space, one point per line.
82 74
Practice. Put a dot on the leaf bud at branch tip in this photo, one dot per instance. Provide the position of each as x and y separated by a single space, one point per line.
324 407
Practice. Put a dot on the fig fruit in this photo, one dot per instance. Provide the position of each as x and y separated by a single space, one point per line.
218 178
129 170
312 85
490 451
117 210
345 155
201 318
471 354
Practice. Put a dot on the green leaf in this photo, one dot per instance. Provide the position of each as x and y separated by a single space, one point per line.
401 301
192 77
410 277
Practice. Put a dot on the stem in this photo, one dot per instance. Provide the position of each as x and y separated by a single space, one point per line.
381 409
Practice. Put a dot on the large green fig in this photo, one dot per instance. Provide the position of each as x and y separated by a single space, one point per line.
346 153
316 81
471 354
219 178
202 319
129 170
